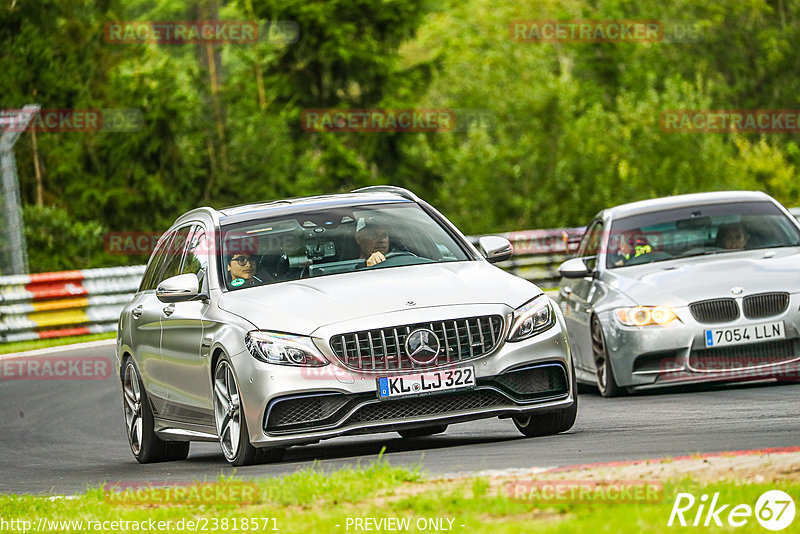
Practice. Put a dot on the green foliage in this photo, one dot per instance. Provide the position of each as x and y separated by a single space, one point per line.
56 241
575 125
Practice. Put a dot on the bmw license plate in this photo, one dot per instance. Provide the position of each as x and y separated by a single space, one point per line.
390 387
742 335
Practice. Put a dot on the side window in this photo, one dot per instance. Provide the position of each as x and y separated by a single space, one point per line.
175 254
156 261
196 261
590 244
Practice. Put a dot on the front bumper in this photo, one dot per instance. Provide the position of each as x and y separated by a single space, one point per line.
293 405
660 356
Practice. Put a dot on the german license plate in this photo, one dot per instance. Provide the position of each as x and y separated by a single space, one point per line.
742 335
390 387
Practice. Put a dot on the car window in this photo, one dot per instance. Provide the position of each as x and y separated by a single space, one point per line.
175 254
590 244
698 231
196 261
155 264
332 241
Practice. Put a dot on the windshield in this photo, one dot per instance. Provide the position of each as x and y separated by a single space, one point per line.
325 242
698 230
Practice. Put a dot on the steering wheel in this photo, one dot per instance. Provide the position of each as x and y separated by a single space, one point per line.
397 253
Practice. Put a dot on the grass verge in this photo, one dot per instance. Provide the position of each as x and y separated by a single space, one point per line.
315 501
33 344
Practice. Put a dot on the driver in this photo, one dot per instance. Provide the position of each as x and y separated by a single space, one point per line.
242 270
631 245
732 236
373 240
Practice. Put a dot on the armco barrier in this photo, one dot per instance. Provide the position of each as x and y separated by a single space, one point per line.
65 303
538 253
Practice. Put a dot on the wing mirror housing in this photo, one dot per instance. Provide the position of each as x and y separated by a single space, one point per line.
495 248
574 268
178 288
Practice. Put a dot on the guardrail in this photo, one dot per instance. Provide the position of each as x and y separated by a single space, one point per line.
73 303
66 303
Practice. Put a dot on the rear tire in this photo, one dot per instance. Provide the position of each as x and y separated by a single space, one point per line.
422 432
145 445
605 372
550 423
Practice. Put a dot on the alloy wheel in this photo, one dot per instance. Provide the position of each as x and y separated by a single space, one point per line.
133 407
227 409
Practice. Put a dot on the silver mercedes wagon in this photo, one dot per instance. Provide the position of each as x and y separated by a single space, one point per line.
288 322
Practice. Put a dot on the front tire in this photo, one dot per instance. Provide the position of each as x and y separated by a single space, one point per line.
605 372
548 424
145 445
229 419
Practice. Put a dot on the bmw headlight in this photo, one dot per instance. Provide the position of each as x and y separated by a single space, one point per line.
284 349
532 318
646 315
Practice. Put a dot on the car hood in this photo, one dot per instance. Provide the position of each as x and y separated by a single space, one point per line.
302 306
679 282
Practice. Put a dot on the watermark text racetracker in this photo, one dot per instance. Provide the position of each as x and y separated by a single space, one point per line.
730 120
585 490
603 31
200 32
171 493
73 120
54 367
396 120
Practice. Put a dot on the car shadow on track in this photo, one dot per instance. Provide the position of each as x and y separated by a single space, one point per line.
592 391
349 450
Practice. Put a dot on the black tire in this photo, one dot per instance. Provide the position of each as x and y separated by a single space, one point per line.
228 417
605 371
550 423
145 445
423 431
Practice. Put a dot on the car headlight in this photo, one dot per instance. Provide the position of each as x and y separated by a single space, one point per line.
283 349
532 318
646 315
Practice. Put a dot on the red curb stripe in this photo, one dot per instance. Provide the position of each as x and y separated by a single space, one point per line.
56 276
582 467
65 332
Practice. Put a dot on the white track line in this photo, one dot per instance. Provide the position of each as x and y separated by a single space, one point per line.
60 348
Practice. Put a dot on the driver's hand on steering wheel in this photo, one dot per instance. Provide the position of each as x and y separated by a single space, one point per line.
375 259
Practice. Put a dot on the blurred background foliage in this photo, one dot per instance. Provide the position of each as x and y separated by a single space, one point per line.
575 129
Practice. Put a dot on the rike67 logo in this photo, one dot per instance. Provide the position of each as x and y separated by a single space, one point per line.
774 510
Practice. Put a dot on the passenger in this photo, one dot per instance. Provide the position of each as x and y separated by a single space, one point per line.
242 269
373 240
732 236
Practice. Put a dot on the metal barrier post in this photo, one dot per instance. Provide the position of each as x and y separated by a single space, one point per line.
13 260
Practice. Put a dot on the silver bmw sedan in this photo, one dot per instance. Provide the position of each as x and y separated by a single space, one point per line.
285 323
685 289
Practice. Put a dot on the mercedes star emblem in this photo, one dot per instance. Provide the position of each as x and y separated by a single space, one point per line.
422 346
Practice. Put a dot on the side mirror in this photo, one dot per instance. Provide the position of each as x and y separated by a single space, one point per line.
178 288
574 268
495 248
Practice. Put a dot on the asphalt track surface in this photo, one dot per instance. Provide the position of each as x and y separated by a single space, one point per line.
61 436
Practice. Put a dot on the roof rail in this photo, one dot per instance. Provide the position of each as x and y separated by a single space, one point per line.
405 193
